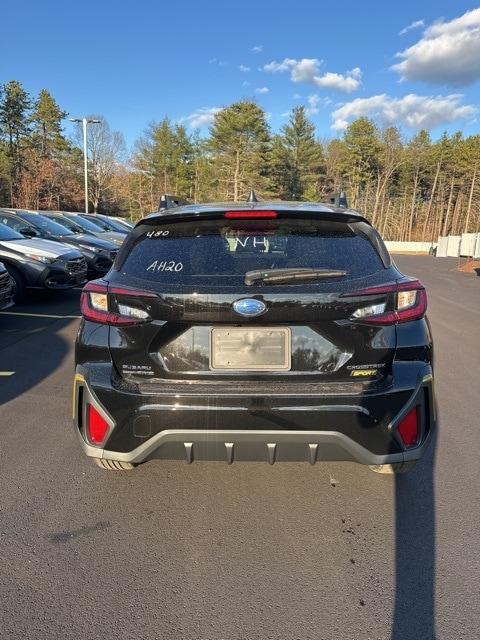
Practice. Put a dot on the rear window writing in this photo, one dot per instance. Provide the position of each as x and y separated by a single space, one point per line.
220 252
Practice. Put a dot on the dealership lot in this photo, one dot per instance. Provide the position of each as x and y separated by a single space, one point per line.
209 551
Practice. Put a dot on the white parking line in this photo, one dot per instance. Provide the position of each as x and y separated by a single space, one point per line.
35 315
5 374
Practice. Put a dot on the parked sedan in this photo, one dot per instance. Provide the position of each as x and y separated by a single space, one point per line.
99 254
105 223
128 224
79 224
35 263
6 288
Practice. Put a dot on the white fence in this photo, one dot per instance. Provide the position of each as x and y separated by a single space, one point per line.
409 247
466 246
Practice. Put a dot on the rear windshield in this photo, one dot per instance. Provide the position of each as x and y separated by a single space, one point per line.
221 252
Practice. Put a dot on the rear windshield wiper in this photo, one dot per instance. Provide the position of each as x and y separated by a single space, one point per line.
274 276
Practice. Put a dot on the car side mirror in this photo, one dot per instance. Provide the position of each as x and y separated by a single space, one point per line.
76 230
28 232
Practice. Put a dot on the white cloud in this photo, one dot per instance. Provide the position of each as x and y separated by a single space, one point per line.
447 53
305 70
201 117
244 68
262 90
257 48
217 61
412 111
314 102
345 83
413 25
308 70
246 83
279 66
296 96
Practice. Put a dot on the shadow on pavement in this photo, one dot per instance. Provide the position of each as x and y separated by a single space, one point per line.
414 608
31 346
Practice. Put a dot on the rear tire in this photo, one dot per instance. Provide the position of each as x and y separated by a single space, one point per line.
395 468
114 465
19 293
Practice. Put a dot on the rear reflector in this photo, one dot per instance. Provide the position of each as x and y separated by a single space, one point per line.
408 428
245 215
97 426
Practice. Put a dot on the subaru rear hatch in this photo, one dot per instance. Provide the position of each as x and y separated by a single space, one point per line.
276 296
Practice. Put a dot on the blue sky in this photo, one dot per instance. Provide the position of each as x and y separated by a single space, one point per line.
135 62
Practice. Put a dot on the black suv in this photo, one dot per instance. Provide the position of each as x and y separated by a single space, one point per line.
263 331
99 254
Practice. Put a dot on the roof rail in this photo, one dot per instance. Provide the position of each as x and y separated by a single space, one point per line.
170 202
339 199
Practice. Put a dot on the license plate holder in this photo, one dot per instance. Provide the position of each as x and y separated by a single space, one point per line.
250 349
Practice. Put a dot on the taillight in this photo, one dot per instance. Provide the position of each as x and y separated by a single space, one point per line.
408 428
97 426
248 215
409 303
103 304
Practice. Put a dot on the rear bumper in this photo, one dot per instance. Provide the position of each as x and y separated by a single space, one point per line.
253 446
322 443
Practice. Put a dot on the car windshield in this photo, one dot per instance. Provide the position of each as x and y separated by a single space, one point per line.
85 225
126 224
101 224
44 223
9 234
114 225
223 252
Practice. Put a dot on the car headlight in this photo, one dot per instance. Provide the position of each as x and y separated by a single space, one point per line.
44 259
90 248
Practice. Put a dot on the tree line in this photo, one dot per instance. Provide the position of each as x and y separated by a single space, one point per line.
411 189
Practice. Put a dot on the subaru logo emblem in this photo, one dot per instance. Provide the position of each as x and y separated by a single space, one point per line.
249 307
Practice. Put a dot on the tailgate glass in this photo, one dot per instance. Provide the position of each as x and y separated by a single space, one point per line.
219 252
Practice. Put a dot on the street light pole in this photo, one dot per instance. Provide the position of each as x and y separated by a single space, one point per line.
85 122
85 164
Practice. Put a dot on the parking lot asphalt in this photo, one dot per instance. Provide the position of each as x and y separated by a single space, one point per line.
209 551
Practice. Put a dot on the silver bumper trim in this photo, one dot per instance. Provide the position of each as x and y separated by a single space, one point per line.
237 445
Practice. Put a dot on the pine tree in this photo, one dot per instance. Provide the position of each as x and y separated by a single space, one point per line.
14 106
47 119
297 159
240 141
163 154
362 158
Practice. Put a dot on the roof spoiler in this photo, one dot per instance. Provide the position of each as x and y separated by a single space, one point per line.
170 202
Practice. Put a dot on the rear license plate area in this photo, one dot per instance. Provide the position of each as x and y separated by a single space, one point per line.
250 349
